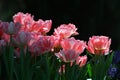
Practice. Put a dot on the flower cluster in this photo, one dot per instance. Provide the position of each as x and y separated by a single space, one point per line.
32 36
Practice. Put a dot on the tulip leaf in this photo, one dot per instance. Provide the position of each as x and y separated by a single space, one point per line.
89 70
100 66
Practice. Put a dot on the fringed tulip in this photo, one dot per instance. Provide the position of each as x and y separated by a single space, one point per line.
30 25
71 49
99 45
42 45
22 38
65 30
81 60
67 55
57 40
46 43
41 26
25 19
71 43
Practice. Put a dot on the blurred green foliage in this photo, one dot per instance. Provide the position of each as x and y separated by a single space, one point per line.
91 17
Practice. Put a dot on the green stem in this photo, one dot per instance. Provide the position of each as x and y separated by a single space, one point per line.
11 58
22 62
5 60
67 71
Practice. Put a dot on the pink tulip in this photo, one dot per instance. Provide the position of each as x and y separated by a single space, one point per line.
57 40
65 30
35 49
81 60
25 19
46 42
42 45
99 45
42 26
11 28
30 25
67 55
22 38
71 49
73 44
6 37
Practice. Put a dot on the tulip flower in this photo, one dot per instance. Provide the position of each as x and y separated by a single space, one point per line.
81 60
41 26
24 19
42 45
30 25
99 45
22 38
73 44
71 49
66 30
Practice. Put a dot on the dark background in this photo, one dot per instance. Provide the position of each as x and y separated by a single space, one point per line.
91 17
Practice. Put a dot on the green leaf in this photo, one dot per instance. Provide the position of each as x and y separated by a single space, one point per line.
16 74
28 69
89 70
99 66
11 60
5 60
22 72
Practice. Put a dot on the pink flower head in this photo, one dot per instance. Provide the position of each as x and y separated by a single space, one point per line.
99 45
72 43
65 30
22 38
35 48
71 49
57 40
42 45
28 23
42 26
67 55
25 19
81 60
11 28
6 37
46 42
